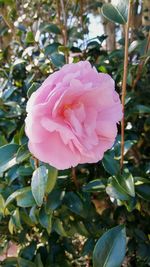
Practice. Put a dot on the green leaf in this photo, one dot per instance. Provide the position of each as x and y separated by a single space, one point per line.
116 12
29 37
51 48
28 251
7 156
26 199
3 140
22 153
45 220
16 219
58 227
39 183
74 203
38 260
10 261
63 49
102 69
111 248
57 59
20 193
126 182
18 61
24 263
25 171
32 89
55 199
141 109
88 247
2 204
94 186
51 28
33 214
114 191
121 186
138 46
52 177
110 164
11 226
26 219
80 228
143 190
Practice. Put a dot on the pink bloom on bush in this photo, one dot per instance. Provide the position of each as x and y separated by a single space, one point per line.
72 117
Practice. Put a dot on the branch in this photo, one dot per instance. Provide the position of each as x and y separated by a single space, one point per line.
8 24
65 26
36 162
124 82
74 177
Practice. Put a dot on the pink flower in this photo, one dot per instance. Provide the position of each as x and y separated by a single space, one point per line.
72 117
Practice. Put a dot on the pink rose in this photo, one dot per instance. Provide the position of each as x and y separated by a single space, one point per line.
72 117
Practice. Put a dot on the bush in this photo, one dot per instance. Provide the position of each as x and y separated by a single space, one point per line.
56 218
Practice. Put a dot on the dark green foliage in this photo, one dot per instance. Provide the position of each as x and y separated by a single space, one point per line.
54 222
110 248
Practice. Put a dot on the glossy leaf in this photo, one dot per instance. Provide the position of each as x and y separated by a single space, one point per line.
143 190
55 199
74 203
110 249
22 153
51 48
19 194
57 59
53 28
121 187
141 109
38 184
51 179
116 12
59 228
110 164
94 186
126 182
26 199
33 214
16 219
32 89
7 156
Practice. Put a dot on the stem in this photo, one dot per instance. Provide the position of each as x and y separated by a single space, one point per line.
36 162
81 13
74 178
124 82
59 13
65 27
7 23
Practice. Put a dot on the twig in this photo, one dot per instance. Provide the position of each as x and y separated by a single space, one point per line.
58 13
36 162
141 64
7 23
124 82
81 13
65 27
74 177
